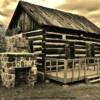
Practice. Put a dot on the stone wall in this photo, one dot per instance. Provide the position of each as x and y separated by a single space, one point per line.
8 71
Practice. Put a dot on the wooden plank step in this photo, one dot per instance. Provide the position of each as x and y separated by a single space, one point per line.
95 80
93 76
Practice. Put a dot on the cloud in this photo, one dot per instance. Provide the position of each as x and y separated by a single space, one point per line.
7 8
88 5
88 8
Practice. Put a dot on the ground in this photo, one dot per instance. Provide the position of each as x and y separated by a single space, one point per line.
52 91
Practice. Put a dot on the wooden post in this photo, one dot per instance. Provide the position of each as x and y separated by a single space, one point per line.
73 63
57 68
98 66
50 65
45 66
16 62
79 68
85 68
65 70
94 64
44 55
88 62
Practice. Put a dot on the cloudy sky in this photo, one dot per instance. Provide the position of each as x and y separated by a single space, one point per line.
88 8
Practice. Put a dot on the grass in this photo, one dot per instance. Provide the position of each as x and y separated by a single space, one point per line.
52 91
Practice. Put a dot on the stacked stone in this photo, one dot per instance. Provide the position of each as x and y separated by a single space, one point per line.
32 76
8 72
17 44
8 76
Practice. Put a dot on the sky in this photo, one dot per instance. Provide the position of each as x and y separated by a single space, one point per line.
88 8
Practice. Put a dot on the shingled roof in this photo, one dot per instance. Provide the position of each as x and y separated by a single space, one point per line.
53 17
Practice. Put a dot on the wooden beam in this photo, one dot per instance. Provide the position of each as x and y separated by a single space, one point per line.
65 70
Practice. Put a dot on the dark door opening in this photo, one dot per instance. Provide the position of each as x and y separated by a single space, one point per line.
21 76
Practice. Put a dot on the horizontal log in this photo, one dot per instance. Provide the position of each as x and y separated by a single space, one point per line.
33 33
39 58
37 46
97 55
54 36
55 49
37 52
48 45
83 38
80 49
55 40
54 55
82 41
55 33
80 55
52 43
37 41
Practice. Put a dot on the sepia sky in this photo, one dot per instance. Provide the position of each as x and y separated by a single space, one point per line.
88 8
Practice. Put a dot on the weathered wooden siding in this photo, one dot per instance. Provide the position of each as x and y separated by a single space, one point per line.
23 23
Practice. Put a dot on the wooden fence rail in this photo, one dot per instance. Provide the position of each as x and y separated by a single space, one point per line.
72 68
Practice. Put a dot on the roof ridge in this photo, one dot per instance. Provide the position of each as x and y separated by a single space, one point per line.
54 17
51 8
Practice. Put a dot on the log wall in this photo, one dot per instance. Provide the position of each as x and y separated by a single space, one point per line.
36 45
77 46
46 44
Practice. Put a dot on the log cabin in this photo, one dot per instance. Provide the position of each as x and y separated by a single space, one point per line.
55 36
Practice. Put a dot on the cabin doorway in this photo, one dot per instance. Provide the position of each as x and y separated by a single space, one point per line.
21 76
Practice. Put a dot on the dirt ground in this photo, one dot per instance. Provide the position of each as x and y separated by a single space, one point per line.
52 91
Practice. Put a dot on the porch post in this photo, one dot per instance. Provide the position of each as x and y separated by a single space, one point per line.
65 70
